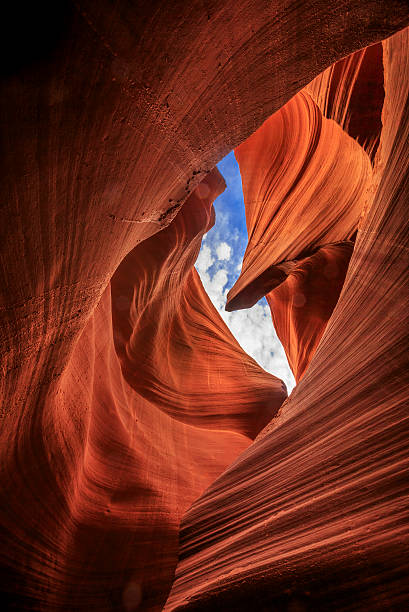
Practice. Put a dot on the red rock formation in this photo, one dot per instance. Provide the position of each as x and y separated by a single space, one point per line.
110 116
302 304
351 92
176 352
305 183
171 315
146 415
315 515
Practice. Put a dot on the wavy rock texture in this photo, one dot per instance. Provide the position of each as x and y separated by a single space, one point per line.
111 116
174 348
147 415
305 183
351 92
314 515
302 304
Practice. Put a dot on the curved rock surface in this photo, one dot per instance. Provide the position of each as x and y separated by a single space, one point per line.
173 346
315 515
351 92
302 305
146 415
305 183
112 114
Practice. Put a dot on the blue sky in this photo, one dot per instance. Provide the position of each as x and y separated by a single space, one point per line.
219 265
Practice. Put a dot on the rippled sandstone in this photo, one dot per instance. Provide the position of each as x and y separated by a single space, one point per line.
314 515
124 396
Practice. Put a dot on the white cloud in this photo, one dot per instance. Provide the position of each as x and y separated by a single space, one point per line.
219 264
223 251
204 260
253 328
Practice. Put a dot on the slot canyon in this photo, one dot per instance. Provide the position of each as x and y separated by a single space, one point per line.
148 462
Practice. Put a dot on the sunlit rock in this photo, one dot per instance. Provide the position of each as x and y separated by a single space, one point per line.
113 114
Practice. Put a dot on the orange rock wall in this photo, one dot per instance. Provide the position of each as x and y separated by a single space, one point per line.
305 183
145 416
302 305
173 346
111 116
314 514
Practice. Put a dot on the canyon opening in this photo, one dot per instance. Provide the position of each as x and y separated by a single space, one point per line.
201 412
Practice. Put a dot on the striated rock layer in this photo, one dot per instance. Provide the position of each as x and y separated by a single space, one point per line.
146 415
302 304
174 348
123 394
305 183
315 514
